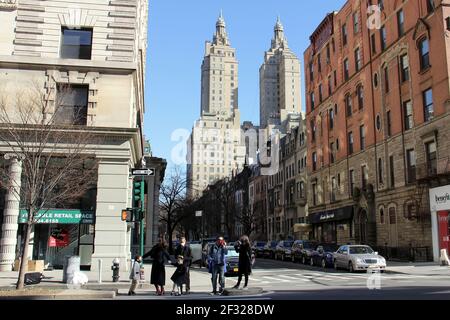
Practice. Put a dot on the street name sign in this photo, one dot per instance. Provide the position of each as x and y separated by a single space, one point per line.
143 172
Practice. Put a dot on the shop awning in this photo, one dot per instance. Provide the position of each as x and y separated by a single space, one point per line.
344 213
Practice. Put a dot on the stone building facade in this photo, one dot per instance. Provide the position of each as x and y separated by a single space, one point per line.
216 148
98 49
377 88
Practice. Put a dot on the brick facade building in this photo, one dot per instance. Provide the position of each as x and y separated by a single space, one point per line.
377 88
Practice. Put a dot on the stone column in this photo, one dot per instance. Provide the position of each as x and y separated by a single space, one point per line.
8 241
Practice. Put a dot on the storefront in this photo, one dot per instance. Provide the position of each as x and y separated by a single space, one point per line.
61 232
440 214
332 226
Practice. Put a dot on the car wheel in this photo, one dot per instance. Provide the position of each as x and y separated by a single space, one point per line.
311 262
324 263
304 260
336 267
351 269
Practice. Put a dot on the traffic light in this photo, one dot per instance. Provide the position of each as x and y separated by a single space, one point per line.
138 199
127 215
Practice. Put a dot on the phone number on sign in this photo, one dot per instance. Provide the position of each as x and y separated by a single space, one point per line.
232 309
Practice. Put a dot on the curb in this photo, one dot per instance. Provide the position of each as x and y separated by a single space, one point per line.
65 296
237 292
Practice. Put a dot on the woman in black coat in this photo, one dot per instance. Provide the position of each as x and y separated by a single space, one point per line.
245 260
158 276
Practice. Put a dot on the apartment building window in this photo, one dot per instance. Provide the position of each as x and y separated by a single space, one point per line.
312 100
389 123
76 43
408 114
386 79
348 105
330 90
335 78
430 149
360 94
350 143
362 135
447 21
346 70
319 63
331 118
314 161
380 171
311 72
313 131
351 178
364 177
400 23
357 59
73 104
333 189
381 4
314 193
373 43
428 107
344 34
328 54
391 171
355 22
424 51
411 165
331 152
302 189
404 64
430 6
383 38
320 93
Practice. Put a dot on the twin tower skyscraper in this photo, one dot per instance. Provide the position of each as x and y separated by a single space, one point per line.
217 147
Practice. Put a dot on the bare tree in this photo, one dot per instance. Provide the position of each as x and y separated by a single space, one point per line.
172 198
53 146
224 193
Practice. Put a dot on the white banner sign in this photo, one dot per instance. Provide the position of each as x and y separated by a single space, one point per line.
440 198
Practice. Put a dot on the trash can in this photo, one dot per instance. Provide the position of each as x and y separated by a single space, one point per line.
71 265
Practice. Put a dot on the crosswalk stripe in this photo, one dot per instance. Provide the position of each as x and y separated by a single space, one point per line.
275 279
288 277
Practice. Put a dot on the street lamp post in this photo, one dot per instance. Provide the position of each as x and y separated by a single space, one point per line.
200 214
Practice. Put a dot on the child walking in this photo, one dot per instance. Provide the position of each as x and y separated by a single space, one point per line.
179 277
135 274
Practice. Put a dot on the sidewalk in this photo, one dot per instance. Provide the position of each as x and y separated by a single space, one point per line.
418 268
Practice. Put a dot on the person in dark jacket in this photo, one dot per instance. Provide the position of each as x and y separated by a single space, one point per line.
216 258
245 260
160 256
184 250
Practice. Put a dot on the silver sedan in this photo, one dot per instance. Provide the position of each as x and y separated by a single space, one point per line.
358 258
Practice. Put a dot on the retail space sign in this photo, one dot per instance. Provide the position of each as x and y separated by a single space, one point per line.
59 238
440 198
60 216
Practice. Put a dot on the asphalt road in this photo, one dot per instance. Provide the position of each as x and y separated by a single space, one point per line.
294 281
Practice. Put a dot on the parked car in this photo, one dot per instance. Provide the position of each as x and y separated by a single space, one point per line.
323 255
283 250
302 250
232 262
269 249
205 253
358 257
258 248
197 254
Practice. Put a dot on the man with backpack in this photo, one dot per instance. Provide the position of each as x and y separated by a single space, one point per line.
216 259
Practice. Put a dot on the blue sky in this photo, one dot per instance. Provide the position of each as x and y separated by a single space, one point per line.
178 30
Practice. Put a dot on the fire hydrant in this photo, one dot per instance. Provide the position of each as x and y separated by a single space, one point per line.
115 268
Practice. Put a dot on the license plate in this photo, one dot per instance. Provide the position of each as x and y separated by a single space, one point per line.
236 269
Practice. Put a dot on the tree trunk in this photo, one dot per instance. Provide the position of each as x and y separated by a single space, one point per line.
24 257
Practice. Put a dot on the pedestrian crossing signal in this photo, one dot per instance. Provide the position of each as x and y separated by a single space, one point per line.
127 215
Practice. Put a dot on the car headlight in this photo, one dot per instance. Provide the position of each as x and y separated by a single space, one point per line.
358 260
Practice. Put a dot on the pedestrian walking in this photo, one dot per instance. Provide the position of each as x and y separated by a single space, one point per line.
244 249
216 259
184 250
160 256
135 274
178 277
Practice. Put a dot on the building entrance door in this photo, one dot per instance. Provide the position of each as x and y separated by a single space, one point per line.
362 226
393 234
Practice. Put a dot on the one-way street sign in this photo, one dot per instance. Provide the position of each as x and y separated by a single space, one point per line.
143 172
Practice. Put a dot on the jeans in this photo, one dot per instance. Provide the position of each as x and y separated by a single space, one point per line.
218 270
